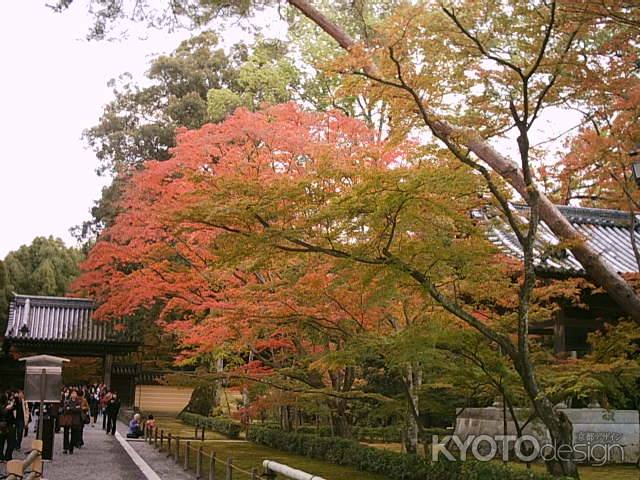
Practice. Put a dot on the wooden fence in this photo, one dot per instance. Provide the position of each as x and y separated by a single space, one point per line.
28 469
189 452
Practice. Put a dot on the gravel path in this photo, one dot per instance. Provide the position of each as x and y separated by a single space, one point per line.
101 457
104 458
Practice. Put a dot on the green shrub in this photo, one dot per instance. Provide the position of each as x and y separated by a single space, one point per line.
396 466
221 425
367 434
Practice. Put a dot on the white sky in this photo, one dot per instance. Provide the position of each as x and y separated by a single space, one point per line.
53 84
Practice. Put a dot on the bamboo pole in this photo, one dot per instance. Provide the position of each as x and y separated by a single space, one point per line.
229 468
199 463
212 466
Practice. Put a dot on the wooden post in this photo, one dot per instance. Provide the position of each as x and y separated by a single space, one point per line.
202 433
177 457
155 437
15 467
186 455
169 445
199 463
37 465
229 468
559 335
212 466
43 386
108 365
161 439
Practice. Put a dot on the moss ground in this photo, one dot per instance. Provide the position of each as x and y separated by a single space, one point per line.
246 455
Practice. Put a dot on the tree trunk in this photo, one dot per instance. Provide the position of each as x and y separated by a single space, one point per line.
285 418
599 271
341 381
557 423
339 422
413 379
203 399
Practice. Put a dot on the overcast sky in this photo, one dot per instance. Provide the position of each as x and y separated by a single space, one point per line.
53 85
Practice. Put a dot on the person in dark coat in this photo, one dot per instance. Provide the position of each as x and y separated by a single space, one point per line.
84 415
22 418
7 425
94 404
72 424
113 407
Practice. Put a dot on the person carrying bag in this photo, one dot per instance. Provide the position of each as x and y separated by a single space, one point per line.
71 421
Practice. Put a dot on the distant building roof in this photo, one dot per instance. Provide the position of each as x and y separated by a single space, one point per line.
42 320
608 232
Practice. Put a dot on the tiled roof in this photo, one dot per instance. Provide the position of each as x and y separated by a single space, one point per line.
59 319
608 232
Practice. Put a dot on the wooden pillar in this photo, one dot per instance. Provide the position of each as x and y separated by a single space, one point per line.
559 335
108 365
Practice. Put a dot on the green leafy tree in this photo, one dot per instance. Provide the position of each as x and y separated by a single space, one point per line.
4 286
197 83
45 267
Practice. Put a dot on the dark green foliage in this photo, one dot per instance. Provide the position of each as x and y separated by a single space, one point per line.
390 434
221 425
396 466
46 267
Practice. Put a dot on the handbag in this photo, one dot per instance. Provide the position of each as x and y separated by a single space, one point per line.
65 420
85 417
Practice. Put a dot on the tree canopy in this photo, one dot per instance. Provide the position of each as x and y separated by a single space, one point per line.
45 267
289 240
197 83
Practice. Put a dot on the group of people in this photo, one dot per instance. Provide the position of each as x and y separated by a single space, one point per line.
80 406
15 416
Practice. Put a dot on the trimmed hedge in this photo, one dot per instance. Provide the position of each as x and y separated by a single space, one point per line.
396 466
366 434
221 425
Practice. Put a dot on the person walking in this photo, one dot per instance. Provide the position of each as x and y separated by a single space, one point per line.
9 411
6 420
113 407
84 404
104 401
94 404
71 421
22 418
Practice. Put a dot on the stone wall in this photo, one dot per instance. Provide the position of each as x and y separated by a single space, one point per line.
593 428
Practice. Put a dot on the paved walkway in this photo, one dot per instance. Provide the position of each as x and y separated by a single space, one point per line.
106 457
101 457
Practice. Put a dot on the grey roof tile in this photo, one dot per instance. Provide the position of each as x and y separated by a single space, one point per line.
608 232
60 319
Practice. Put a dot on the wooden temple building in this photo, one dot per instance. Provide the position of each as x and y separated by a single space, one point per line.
608 232
65 327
